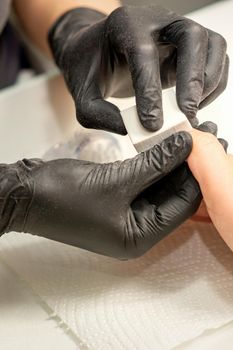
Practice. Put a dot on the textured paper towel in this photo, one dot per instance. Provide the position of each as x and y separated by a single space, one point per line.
23 314
179 289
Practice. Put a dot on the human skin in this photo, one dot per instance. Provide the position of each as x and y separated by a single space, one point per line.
213 169
41 14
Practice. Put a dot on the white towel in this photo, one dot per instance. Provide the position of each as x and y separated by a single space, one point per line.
174 293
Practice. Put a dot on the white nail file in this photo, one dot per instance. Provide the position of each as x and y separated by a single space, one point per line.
174 121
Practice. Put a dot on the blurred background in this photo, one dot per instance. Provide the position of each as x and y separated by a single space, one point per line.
28 61
180 6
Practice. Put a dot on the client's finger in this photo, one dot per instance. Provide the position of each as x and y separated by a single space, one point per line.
213 170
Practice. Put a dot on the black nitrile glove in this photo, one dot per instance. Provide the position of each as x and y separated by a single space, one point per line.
118 209
137 50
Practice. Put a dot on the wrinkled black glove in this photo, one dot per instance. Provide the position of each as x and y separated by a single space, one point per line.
118 209
140 48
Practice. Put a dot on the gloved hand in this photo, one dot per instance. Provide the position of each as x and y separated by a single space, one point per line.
137 50
118 209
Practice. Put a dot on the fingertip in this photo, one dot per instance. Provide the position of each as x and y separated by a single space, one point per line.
187 142
202 140
179 145
209 127
191 116
207 156
151 120
193 121
101 114
187 137
224 143
162 158
119 129
152 124
189 108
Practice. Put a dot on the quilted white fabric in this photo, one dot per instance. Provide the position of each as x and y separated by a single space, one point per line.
177 291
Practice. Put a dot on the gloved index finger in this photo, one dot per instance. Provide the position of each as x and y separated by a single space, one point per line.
94 112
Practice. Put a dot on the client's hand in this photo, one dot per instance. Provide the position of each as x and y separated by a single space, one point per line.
213 169
118 209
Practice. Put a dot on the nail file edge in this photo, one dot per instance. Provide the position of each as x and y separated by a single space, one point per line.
143 139
159 137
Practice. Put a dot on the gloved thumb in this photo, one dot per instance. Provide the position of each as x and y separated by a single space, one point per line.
150 166
96 113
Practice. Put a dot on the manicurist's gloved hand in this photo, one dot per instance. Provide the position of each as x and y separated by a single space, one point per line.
118 209
137 50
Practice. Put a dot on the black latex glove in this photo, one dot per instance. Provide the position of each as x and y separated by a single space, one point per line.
118 209
137 50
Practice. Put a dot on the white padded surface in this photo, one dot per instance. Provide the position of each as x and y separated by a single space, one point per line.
177 291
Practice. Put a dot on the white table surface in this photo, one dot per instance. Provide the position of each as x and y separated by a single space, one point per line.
24 322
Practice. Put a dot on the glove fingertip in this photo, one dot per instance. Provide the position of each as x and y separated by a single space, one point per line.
187 142
224 143
173 150
151 119
189 108
208 126
101 114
